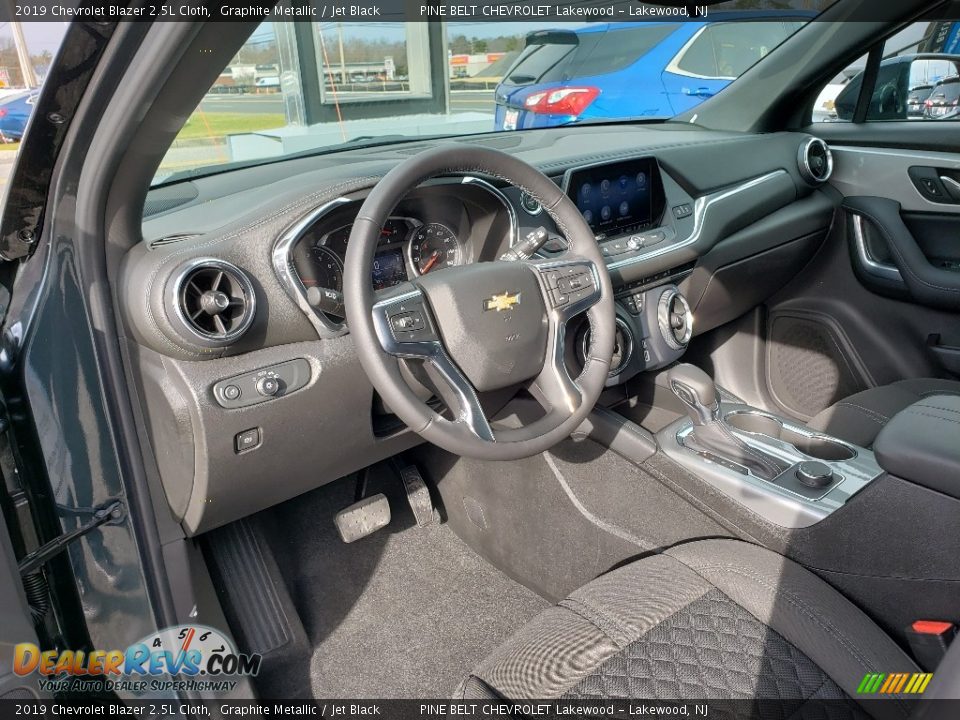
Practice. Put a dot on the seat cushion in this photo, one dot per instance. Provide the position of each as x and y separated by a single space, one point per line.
859 418
713 619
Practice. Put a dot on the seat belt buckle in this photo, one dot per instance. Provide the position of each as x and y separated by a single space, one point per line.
929 640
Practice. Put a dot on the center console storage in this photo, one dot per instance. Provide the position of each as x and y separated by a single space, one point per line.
920 444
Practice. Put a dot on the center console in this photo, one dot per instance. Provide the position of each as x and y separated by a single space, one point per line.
789 475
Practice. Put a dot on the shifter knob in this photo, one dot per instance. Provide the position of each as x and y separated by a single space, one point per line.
697 391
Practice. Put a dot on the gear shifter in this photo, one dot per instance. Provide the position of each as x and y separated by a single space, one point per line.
711 433
697 391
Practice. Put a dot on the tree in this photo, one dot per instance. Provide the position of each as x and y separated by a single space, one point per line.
480 45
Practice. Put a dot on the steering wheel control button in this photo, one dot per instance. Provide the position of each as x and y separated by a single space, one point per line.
405 322
268 386
247 440
814 474
262 384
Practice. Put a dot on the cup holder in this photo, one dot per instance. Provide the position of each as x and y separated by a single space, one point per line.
816 446
754 423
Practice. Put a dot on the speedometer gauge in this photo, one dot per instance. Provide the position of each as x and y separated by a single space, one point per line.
434 246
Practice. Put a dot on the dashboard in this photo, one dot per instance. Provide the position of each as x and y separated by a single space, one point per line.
693 224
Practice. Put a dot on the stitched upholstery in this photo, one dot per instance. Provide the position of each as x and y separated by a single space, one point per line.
860 418
714 619
715 648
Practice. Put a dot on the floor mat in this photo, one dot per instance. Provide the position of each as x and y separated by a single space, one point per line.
406 612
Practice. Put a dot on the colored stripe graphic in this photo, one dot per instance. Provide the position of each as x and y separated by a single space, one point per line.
894 683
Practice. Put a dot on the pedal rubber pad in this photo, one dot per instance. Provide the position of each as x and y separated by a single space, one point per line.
418 495
363 518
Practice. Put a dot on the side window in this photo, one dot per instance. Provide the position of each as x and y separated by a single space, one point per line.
727 50
918 79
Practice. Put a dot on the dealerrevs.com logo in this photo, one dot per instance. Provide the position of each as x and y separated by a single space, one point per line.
183 657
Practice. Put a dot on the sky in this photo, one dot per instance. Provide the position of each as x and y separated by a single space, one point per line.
40 36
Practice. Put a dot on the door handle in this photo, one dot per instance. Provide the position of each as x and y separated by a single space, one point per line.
868 264
926 283
952 186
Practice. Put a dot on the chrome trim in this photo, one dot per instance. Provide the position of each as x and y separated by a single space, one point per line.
950 181
701 206
871 266
173 298
774 503
627 356
284 268
470 411
663 319
282 255
804 160
556 368
498 193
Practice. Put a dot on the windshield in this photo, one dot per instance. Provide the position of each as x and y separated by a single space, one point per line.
307 87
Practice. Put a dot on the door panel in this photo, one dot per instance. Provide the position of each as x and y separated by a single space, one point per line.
888 278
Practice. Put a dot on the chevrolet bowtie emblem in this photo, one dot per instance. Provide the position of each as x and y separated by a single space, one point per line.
502 302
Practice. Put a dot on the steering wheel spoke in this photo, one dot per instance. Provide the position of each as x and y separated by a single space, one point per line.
570 285
407 329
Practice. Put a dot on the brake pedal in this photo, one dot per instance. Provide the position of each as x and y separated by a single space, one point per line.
363 518
418 495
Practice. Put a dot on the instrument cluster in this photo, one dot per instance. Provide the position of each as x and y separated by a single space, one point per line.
408 248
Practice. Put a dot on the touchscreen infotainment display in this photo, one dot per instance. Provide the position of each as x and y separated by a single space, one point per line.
617 198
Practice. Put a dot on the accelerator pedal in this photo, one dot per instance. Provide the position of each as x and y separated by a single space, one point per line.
363 518
418 495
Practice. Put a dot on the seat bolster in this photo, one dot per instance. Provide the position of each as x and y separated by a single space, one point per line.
565 644
804 609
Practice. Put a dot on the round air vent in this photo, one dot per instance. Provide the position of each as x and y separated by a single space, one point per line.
675 319
816 161
214 301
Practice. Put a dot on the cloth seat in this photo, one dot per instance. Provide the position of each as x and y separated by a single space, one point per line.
859 418
711 619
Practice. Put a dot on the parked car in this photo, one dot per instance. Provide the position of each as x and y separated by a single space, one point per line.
891 100
916 99
632 70
15 111
944 100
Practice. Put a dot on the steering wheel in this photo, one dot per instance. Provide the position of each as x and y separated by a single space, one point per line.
486 326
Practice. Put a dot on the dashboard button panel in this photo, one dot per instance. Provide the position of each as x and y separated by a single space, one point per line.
263 385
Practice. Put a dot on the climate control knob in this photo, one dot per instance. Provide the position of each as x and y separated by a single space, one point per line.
675 319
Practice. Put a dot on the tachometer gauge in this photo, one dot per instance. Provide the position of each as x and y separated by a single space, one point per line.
434 246
323 269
